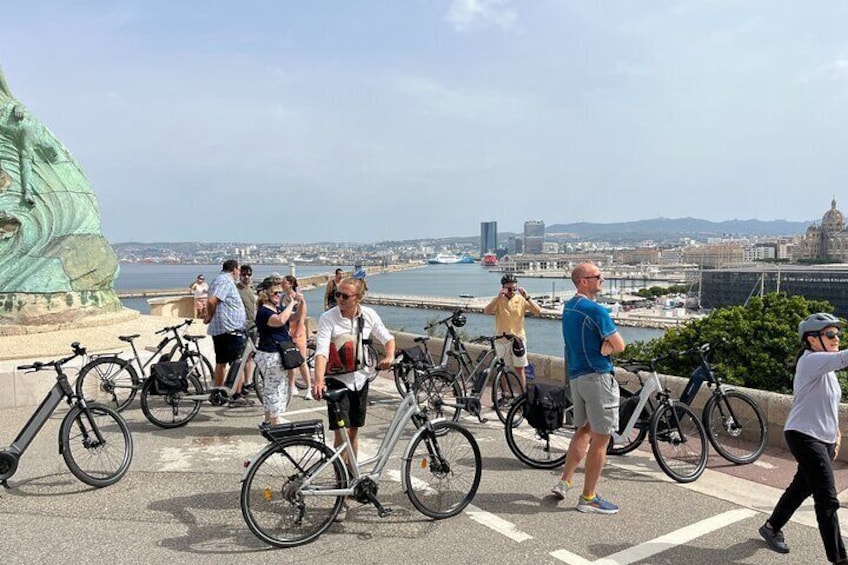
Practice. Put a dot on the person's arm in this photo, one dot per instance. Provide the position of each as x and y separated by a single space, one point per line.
211 305
389 357
613 343
529 304
279 319
300 315
493 304
322 350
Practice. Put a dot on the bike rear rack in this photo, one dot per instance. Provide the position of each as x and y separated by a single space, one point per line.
279 432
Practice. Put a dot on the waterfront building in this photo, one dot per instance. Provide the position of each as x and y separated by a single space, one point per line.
714 256
733 287
825 242
534 236
488 237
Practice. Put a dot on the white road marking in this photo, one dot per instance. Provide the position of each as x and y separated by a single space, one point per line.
497 524
764 465
662 543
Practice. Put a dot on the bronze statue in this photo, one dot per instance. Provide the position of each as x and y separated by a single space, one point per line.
55 265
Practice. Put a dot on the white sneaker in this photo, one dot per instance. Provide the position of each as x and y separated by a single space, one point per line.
293 392
561 489
308 395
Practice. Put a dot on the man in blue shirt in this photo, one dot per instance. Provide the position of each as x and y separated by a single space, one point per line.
590 338
226 318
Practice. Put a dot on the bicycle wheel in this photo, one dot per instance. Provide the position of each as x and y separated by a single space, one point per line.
538 449
442 470
404 374
110 381
272 503
638 433
440 393
258 381
505 389
171 410
96 444
736 426
679 442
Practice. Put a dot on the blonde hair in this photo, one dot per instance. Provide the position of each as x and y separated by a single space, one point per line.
264 295
361 286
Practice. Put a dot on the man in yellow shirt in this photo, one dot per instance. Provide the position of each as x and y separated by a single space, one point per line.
509 307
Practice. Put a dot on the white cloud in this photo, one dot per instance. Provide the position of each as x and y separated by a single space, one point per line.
836 70
466 15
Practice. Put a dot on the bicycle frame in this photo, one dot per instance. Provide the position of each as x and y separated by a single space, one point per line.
646 393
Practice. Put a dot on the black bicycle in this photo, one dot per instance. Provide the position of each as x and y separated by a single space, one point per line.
114 381
733 421
93 439
413 362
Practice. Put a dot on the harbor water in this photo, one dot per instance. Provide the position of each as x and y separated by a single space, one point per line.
466 280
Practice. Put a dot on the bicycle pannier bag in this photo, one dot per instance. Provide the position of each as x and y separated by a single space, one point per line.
290 354
415 356
545 407
168 377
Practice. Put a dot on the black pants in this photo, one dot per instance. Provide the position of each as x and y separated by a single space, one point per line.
814 476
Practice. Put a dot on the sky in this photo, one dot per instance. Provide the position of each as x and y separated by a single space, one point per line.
373 120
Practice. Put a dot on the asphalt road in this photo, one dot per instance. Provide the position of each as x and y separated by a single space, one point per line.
179 503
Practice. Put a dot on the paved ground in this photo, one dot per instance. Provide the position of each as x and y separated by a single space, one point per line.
179 502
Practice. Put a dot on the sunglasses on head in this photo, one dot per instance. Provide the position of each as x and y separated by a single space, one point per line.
831 334
343 295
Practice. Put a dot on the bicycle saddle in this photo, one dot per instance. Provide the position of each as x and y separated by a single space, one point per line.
128 338
635 367
335 394
421 339
195 338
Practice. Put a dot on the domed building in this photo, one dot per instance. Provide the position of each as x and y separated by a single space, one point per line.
827 242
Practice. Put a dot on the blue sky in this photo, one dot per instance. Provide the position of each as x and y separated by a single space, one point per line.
372 120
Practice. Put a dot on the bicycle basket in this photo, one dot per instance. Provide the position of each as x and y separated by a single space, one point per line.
168 377
545 407
280 432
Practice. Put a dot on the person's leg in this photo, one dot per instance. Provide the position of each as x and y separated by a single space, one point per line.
220 356
576 451
819 472
595 459
797 491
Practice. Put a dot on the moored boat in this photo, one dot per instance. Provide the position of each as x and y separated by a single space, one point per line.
489 260
448 259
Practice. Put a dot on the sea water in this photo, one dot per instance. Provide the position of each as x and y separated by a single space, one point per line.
469 280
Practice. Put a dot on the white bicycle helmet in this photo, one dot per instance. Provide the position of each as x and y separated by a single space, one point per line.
814 323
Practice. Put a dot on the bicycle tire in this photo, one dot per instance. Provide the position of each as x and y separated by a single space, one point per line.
505 389
683 461
269 493
735 426
440 392
111 381
442 470
637 434
170 410
540 450
96 464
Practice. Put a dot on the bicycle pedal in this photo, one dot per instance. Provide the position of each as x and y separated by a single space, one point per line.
383 512
482 419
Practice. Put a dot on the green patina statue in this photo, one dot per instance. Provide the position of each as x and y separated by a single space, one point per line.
55 265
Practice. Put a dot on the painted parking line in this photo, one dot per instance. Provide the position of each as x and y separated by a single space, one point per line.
662 543
497 524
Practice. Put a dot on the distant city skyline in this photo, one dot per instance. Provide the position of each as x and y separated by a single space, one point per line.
367 121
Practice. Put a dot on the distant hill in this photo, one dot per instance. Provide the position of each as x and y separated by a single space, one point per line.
664 228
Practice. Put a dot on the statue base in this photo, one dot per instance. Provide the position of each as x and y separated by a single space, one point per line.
36 313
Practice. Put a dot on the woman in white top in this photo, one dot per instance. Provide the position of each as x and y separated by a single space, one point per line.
200 290
813 436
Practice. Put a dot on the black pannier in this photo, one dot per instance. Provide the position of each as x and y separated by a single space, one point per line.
414 356
168 377
545 407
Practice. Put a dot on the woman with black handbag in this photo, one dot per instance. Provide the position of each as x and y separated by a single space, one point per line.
273 328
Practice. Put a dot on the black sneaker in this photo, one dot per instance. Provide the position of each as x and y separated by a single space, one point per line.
774 539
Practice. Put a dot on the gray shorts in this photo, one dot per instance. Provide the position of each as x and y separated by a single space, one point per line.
595 398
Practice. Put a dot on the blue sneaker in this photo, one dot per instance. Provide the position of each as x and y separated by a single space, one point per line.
597 505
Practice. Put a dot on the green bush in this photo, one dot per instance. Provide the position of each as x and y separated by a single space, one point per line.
753 345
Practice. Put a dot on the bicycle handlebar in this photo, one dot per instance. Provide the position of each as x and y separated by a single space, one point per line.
443 321
39 365
187 322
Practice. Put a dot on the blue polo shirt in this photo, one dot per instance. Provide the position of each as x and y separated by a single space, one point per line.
585 325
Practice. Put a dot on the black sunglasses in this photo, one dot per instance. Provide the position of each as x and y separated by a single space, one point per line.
343 295
831 334
594 277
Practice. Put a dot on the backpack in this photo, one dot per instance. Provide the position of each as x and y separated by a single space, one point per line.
168 377
545 407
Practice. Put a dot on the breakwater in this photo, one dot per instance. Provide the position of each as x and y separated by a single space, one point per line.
636 318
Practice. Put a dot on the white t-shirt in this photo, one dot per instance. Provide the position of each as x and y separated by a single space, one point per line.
816 395
332 324
201 290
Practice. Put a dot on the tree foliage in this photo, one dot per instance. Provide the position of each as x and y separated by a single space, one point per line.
657 291
753 345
